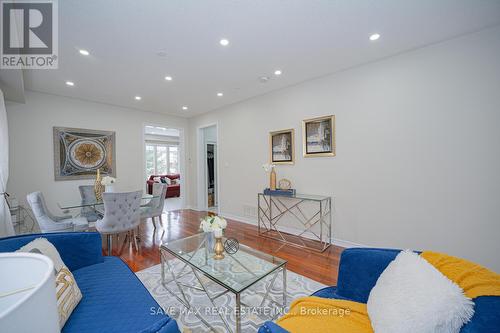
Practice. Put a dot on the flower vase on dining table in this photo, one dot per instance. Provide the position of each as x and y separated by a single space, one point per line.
98 187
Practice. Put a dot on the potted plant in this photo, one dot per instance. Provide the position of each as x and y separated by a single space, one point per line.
213 227
108 182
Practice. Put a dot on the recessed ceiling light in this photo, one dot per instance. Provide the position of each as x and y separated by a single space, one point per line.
184 108
84 52
168 78
138 98
224 42
70 83
220 94
264 79
374 37
278 72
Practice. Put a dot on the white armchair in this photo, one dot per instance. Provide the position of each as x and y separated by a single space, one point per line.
52 223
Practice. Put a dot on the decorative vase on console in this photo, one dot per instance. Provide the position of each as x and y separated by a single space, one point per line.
213 227
272 174
272 180
98 187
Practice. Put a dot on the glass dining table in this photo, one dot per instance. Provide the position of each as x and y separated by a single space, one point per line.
98 205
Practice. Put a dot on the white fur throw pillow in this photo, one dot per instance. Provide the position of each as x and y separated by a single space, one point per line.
411 295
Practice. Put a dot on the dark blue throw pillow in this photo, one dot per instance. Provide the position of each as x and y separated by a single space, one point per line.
162 179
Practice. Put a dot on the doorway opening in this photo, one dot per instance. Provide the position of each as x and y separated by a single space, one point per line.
211 152
208 182
164 151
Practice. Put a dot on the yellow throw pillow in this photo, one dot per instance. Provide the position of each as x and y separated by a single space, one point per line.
67 292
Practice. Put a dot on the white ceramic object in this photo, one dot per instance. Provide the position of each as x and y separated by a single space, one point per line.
27 294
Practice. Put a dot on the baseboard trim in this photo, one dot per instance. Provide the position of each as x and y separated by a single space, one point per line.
253 221
188 207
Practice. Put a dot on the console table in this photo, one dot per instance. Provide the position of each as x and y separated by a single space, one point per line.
311 215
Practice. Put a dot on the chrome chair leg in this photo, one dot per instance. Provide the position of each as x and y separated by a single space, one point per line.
110 243
134 236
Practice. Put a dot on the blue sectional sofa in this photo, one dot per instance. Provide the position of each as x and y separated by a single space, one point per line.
114 300
359 271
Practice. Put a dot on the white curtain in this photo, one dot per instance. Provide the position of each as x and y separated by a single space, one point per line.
6 228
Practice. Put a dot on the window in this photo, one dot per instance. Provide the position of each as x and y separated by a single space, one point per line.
173 157
150 160
161 159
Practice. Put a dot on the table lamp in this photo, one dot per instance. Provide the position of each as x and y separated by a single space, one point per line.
27 294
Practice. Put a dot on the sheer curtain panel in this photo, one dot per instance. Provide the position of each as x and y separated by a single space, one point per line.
6 228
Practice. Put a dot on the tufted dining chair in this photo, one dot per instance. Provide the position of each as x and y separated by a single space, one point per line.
155 207
87 194
52 223
121 215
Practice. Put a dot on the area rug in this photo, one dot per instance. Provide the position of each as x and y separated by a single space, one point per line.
252 316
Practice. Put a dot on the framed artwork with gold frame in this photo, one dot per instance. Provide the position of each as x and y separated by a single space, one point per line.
318 136
282 146
78 153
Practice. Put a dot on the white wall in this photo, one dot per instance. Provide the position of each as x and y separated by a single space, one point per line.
418 157
210 134
31 144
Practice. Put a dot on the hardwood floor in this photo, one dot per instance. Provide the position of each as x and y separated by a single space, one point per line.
322 267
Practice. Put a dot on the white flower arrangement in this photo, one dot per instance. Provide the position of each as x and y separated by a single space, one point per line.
213 224
107 181
268 167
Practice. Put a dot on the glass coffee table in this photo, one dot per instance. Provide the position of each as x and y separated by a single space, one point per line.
235 273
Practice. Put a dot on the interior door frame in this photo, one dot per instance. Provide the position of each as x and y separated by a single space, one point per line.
182 158
216 180
202 174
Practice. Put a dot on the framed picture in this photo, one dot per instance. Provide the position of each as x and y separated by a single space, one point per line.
78 153
282 146
318 136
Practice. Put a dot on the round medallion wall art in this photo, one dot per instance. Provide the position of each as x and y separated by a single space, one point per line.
86 154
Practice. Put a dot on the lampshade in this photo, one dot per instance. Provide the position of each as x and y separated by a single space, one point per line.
27 294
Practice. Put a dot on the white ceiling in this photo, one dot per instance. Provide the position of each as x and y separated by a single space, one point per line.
304 38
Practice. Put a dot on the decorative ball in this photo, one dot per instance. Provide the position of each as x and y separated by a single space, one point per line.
231 245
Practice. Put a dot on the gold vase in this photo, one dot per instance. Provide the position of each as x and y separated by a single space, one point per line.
218 249
272 180
98 187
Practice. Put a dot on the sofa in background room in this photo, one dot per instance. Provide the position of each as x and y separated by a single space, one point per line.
173 189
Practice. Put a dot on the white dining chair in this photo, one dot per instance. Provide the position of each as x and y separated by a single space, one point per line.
87 194
52 223
154 209
121 215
